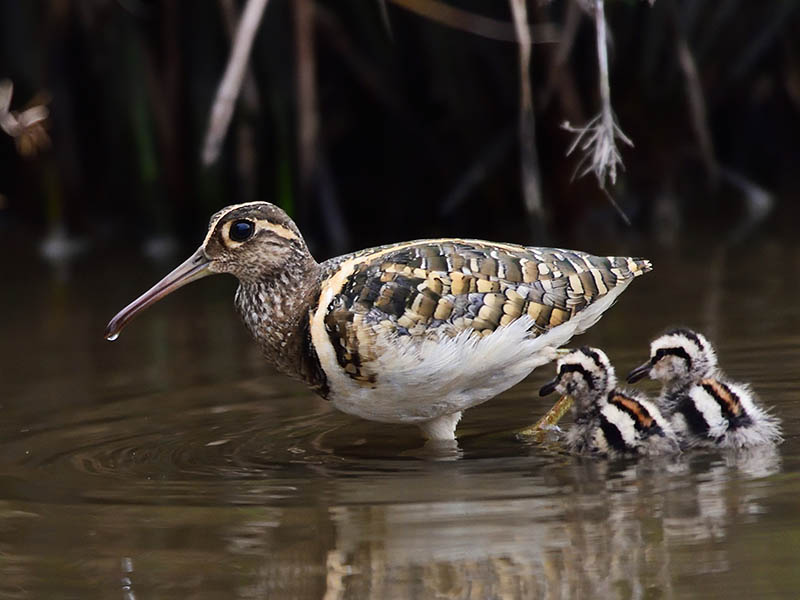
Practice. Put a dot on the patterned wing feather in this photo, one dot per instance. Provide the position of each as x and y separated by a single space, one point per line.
445 287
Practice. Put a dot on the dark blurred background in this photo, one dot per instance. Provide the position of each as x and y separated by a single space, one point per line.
413 113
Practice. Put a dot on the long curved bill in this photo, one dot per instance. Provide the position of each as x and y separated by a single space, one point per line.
193 268
639 372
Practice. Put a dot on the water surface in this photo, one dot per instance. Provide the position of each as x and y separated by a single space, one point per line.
175 464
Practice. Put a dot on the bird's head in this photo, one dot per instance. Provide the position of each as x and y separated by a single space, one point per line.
677 358
584 374
253 241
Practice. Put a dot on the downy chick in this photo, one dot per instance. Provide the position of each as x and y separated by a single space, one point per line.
608 421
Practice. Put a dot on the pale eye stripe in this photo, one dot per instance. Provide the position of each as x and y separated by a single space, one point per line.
278 230
213 228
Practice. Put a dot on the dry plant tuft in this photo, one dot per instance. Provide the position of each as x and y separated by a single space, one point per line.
26 127
597 139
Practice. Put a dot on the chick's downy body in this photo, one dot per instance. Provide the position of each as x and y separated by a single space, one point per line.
608 421
704 406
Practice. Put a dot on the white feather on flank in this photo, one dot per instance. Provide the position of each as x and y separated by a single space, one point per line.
623 422
653 445
419 380
763 428
710 410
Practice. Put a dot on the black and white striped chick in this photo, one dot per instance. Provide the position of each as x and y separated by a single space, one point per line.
413 332
608 421
704 407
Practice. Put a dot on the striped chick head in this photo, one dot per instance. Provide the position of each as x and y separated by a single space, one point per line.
678 358
586 374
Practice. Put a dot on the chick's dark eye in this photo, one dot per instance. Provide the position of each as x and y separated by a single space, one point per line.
241 230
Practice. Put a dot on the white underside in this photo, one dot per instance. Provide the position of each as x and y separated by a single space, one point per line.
430 381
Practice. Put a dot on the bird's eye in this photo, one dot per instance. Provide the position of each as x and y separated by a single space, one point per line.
241 230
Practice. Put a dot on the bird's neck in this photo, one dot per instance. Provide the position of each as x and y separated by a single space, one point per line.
584 408
276 309
675 386
679 380
685 380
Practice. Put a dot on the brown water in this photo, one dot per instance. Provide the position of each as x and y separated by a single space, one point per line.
174 464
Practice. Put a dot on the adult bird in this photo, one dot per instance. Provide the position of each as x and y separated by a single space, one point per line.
413 332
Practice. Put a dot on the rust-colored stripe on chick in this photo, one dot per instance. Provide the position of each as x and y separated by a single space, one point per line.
728 401
641 417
